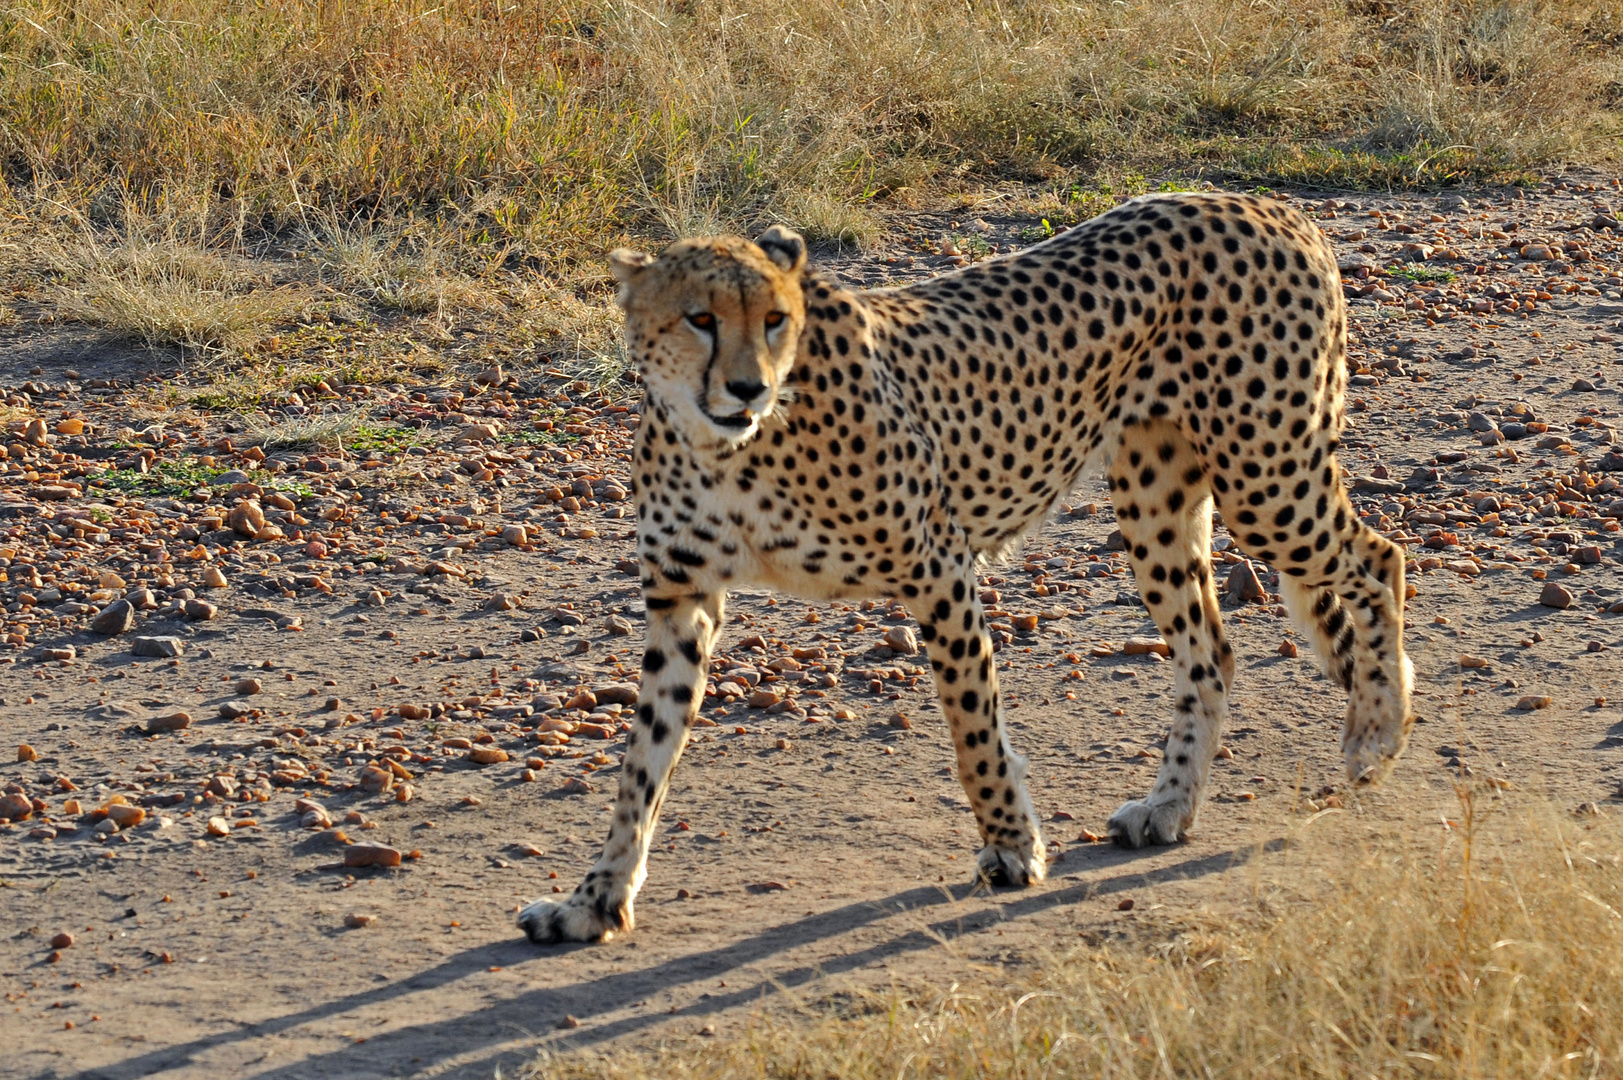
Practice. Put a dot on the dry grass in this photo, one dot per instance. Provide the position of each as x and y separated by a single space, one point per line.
1489 950
162 290
429 159
549 129
317 431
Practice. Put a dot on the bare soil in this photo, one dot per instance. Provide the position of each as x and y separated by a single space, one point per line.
811 849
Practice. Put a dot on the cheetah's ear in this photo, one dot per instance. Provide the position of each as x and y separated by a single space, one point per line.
627 265
784 247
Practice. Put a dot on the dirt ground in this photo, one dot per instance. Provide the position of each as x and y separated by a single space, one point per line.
811 845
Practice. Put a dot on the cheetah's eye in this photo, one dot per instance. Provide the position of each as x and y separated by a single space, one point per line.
774 319
703 321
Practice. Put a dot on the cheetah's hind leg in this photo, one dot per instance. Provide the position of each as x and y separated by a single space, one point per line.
1164 508
1356 625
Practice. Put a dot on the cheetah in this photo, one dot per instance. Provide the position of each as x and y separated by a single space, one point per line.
830 442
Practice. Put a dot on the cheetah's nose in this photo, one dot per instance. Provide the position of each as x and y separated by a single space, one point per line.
745 390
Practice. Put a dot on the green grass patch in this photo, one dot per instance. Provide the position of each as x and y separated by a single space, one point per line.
534 437
175 479
1427 275
234 400
385 439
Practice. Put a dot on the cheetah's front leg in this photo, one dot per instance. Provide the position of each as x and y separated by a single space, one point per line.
993 775
681 632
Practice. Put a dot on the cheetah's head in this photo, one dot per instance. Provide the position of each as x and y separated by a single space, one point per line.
711 324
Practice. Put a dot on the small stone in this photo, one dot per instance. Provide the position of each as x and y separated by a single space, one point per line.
214 578
1139 646
569 1023
1555 596
62 941
1125 905
199 610
1288 648
763 699
617 626
126 817
502 601
357 921
376 780
1531 702
162 647
1243 585
1595 646
469 433
175 721
246 518
616 694
371 855
1477 662
576 786
1026 623
901 639
219 826
113 619
59 653
901 722
247 687
516 535
27 753
487 755
15 807
491 376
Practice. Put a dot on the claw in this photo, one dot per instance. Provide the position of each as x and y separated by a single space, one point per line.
547 922
1005 867
1138 823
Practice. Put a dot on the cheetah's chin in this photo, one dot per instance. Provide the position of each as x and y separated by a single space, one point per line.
734 431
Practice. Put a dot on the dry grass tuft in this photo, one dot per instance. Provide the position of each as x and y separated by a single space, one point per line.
408 268
170 293
1494 950
316 431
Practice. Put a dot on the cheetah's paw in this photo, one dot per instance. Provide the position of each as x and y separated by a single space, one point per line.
548 922
1010 867
1373 737
1370 758
1139 822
